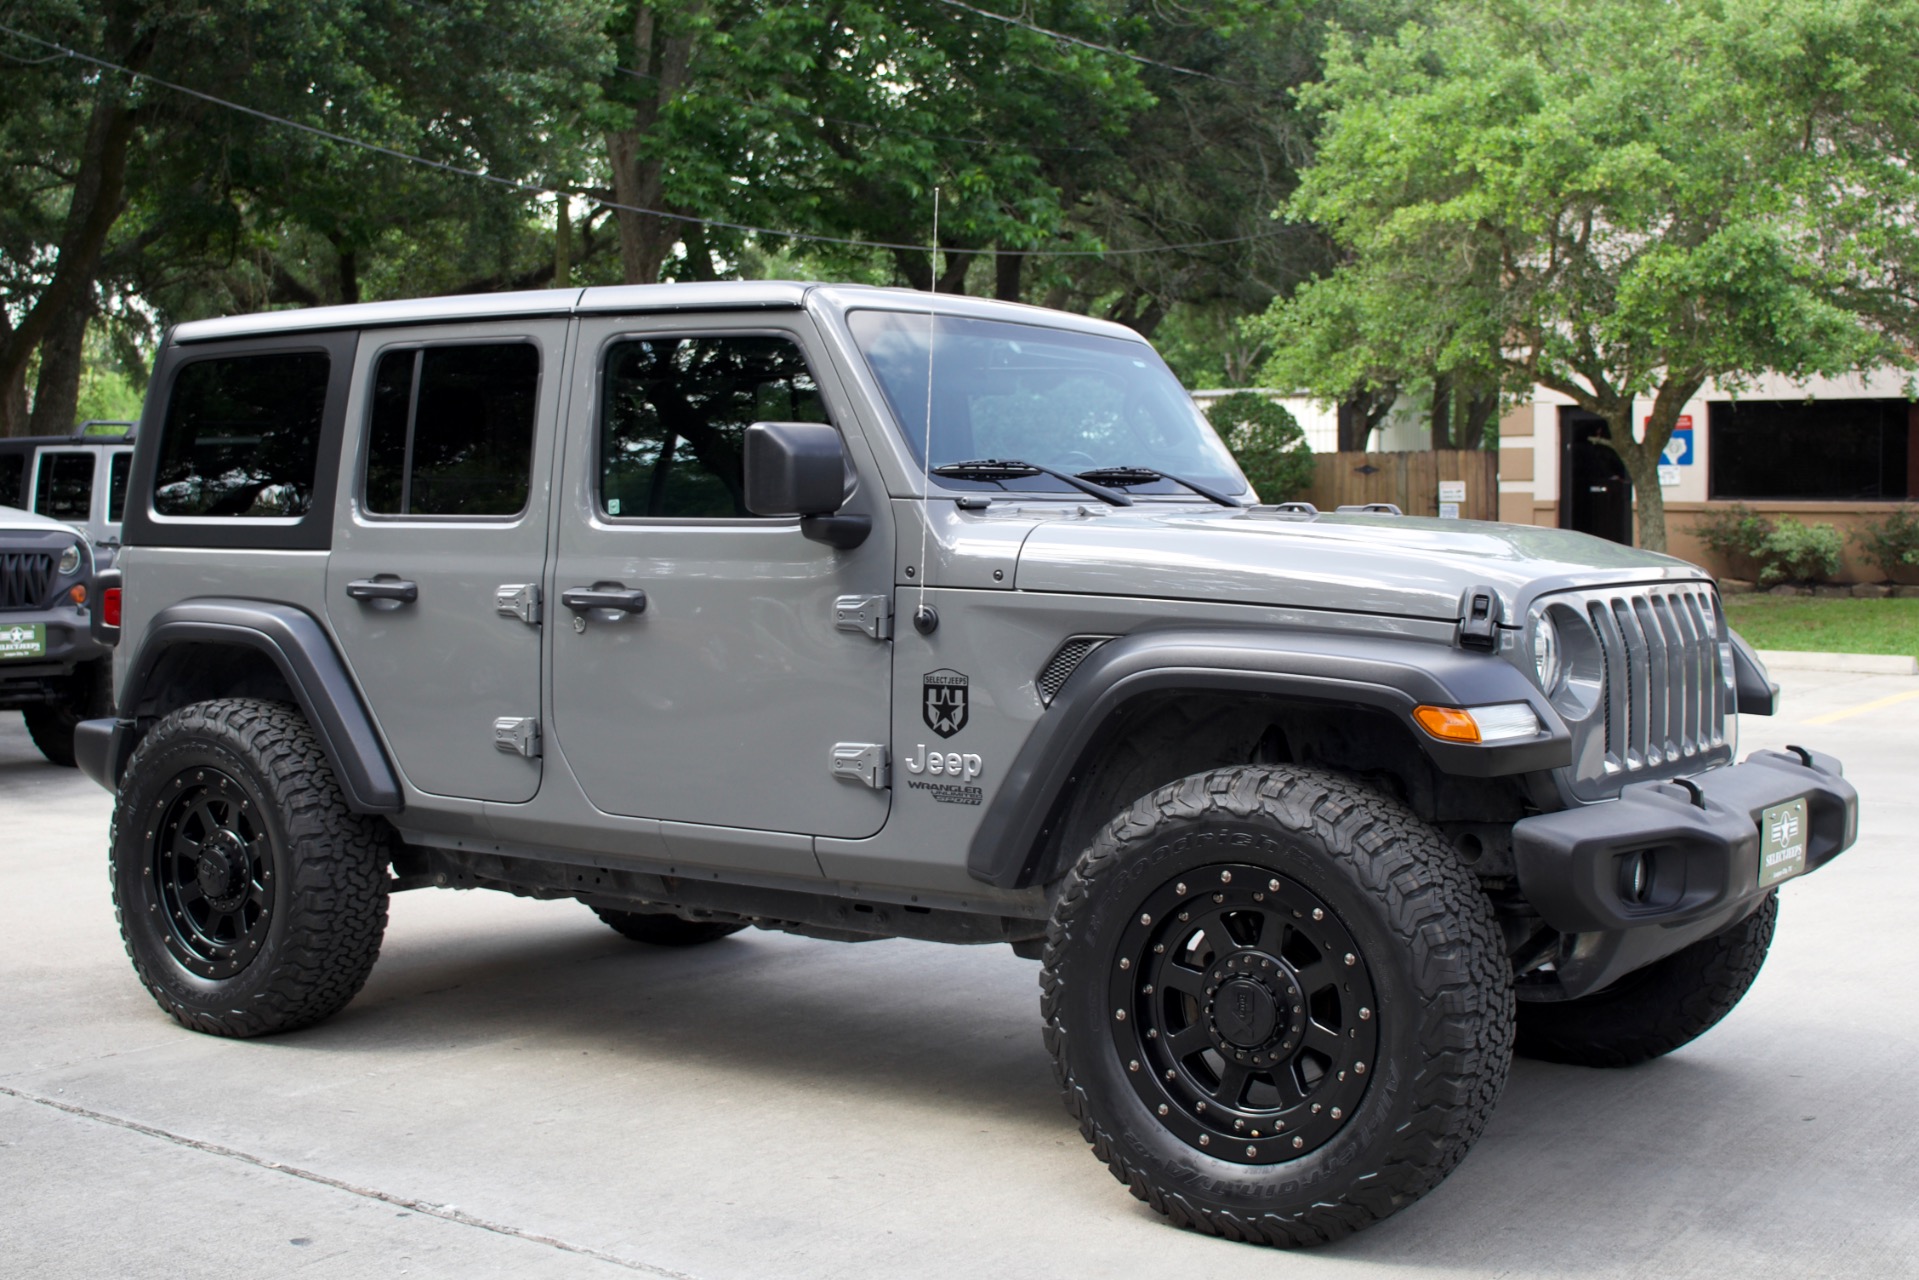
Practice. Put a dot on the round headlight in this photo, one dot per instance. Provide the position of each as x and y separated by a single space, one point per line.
1546 652
69 559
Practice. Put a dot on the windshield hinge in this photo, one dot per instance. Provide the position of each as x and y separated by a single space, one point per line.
870 614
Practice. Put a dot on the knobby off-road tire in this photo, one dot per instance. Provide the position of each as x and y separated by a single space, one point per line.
51 724
250 898
1654 1010
662 930
1276 1003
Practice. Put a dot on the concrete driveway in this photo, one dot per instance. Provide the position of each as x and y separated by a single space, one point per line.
521 1092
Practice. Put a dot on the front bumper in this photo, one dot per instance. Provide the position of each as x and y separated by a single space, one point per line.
1699 839
69 642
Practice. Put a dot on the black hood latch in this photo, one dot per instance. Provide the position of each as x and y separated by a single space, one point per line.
1479 615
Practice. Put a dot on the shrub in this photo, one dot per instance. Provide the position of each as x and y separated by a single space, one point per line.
1795 552
1267 441
1735 534
1891 543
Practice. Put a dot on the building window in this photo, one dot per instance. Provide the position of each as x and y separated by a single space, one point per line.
1818 451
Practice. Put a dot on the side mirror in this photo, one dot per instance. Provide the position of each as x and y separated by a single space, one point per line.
799 469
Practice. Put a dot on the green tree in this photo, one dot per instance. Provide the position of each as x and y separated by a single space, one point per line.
1268 443
1614 201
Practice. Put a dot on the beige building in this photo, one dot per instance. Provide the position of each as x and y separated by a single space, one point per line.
1830 451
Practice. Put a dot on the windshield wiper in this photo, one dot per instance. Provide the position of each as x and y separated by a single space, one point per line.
1010 469
1146 475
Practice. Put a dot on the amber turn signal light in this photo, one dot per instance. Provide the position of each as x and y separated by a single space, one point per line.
1448 724
78 594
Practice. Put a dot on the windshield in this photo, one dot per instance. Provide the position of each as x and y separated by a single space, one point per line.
1071 401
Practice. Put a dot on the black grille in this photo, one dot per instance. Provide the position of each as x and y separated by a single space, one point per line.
25 577
1052 676
1665 700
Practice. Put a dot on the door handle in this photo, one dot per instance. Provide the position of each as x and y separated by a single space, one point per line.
617 599
398 590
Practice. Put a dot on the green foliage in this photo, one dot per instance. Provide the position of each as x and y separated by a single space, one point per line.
1736 533
1267 441
1826 626
1797 552
1892 543
1615 201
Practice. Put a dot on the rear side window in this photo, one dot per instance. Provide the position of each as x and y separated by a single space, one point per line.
673 429
64 487
452 430
242 436
117 472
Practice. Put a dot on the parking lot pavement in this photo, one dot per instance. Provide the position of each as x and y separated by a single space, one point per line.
521 1092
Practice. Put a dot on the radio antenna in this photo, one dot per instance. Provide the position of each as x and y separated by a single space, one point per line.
926 619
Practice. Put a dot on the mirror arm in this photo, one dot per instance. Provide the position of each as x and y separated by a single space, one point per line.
841 532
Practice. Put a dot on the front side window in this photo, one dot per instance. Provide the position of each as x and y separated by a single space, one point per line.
64 488
1072 401
451 432
674 417
242 436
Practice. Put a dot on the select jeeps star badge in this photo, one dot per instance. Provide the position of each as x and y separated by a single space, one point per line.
1292 937
943 703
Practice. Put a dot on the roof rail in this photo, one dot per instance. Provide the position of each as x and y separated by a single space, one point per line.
1370 509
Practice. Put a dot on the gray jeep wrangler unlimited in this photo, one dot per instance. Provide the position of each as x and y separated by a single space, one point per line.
860 613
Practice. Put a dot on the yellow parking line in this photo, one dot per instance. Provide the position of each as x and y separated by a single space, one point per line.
1846 713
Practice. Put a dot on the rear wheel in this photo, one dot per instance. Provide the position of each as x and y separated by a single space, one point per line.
665 930
1276 1003
1654 1010
251 899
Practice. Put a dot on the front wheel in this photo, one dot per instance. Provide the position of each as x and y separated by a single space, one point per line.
250 897
1654 1010
1277 1004
51 725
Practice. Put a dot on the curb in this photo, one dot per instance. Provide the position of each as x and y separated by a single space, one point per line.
1860 664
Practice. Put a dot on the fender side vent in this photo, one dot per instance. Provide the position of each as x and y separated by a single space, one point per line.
1065 660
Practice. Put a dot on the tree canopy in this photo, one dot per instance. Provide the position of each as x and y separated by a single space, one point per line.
1612 201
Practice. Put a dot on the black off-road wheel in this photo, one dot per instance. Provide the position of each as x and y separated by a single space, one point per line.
1654 1010
250 897
664 930
1276 1003
51 725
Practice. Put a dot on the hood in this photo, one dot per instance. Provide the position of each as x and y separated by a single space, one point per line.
1395 565
16 520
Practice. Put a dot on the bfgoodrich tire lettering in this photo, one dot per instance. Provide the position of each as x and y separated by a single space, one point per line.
1653 1010
250 898
1415 1070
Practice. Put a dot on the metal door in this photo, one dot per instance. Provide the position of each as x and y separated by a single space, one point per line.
719 684
439 615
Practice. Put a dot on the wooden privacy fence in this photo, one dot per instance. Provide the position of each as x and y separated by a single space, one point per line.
1409 481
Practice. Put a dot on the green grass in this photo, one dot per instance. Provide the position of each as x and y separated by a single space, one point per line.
1826 626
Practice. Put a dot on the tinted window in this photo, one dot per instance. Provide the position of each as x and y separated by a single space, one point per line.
13 480
1835 450
452 430
64 490
122 464
242 436
676 410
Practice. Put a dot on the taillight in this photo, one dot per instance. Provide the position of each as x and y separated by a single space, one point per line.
110 606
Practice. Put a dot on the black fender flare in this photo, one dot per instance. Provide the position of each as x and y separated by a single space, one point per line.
295 642
1393 673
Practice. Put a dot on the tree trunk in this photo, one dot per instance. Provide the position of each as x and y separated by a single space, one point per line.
953 277
56 390
562 241
639 171
914 268
1360 413
1642 457
1477 410
1442 411
1006 272
97 199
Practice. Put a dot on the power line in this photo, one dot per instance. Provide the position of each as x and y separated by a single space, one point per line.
1141 59
792 108
533 189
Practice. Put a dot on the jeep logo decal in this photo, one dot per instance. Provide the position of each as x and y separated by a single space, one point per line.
943 703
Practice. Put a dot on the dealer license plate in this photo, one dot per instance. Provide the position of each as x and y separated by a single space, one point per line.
1782 842
23 640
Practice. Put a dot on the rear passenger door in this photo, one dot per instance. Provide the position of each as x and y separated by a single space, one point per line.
440 544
